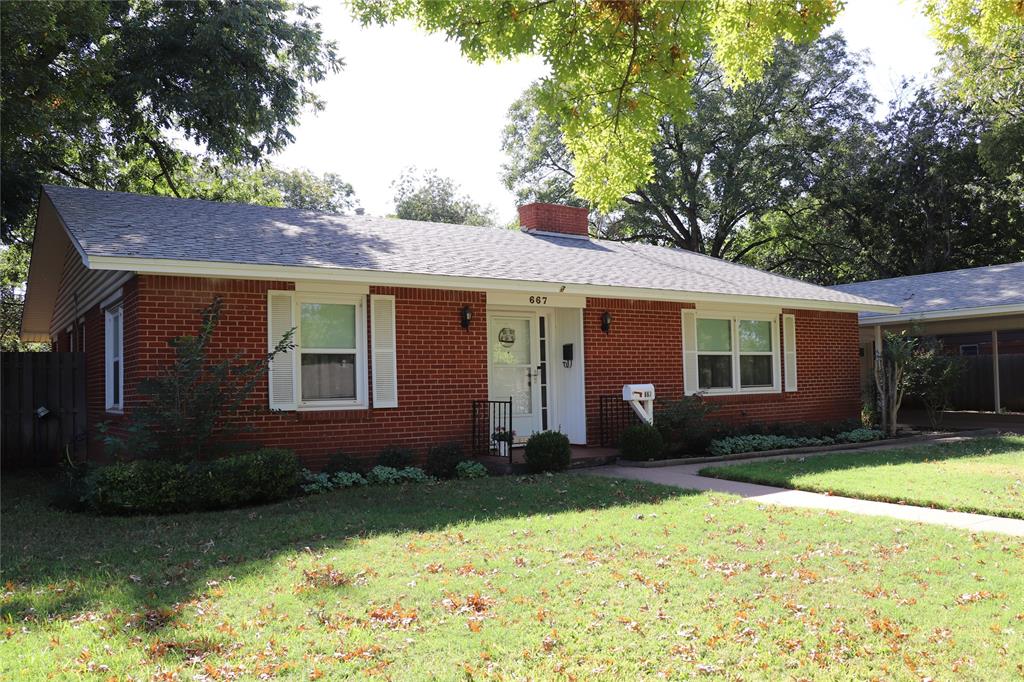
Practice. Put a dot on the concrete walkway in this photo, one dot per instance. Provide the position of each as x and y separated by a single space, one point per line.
685 476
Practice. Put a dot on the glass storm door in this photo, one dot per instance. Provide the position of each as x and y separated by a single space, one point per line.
513 354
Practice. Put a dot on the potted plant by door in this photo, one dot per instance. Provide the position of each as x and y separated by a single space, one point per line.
502 439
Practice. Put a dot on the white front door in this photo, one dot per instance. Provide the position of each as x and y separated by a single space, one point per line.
514 355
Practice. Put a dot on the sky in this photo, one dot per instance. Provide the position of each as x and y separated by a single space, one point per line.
406 98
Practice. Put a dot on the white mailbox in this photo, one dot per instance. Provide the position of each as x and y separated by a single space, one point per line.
641 398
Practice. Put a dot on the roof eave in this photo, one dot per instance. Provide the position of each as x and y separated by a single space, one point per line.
938 315
49 243
293 272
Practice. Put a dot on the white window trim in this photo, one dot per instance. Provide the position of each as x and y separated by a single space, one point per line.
361 353
734 320
975 346
115 312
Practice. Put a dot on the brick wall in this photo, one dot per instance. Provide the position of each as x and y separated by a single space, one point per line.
441 366
644 345
95 366
828 376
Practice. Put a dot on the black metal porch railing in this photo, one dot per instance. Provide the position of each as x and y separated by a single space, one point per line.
615 416
491 417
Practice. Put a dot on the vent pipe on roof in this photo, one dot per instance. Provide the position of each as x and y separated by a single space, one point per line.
554 219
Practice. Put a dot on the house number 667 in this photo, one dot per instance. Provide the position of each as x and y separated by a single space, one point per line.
539 300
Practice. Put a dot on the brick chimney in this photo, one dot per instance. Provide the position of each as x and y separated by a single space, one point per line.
554 219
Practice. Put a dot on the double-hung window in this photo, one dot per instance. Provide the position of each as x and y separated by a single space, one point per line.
327 365
332 352
114 358
737 353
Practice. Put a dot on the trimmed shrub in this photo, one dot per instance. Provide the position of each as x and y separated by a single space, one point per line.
685 424
395 457
342 462
380 475
161 487
641 442
470 469
140 487
257 477
548 451
443 459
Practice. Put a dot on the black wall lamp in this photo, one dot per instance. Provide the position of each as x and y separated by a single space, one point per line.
465 316
606 322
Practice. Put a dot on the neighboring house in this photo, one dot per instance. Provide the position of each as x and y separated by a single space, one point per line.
404 328
977 313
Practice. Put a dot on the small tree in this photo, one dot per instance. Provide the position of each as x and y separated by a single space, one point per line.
891 363
189 409
932 376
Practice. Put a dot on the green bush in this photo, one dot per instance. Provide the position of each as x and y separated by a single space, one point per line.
381 475
548 451
685 424
339 461
470 469
257 477
139 487
443 459
395 457
641 442
161 487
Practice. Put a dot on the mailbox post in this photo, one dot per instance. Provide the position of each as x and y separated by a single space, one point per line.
641 398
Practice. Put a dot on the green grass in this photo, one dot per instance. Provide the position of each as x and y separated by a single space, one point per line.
561 577
984 475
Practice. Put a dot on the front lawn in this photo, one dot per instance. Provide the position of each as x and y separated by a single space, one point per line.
984 475
554 577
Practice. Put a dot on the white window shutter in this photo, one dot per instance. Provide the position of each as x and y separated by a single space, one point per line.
690 383
789 348
282 382
385 365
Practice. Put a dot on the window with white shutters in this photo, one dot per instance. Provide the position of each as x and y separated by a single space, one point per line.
385 370
327 369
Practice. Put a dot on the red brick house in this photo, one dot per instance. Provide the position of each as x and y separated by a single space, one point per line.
401 326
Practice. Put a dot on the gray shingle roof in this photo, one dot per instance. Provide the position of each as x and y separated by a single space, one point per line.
955 290
140 226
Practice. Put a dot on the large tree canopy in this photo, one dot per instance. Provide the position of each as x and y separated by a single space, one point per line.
617 66
989 77
437 199
98 93
915 198
110 95
743 152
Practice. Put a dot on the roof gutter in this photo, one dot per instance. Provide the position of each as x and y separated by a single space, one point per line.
161 266
937 315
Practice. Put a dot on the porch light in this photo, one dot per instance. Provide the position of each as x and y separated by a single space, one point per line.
606 322
465 316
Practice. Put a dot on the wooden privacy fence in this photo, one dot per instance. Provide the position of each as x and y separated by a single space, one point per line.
976 391
42 407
